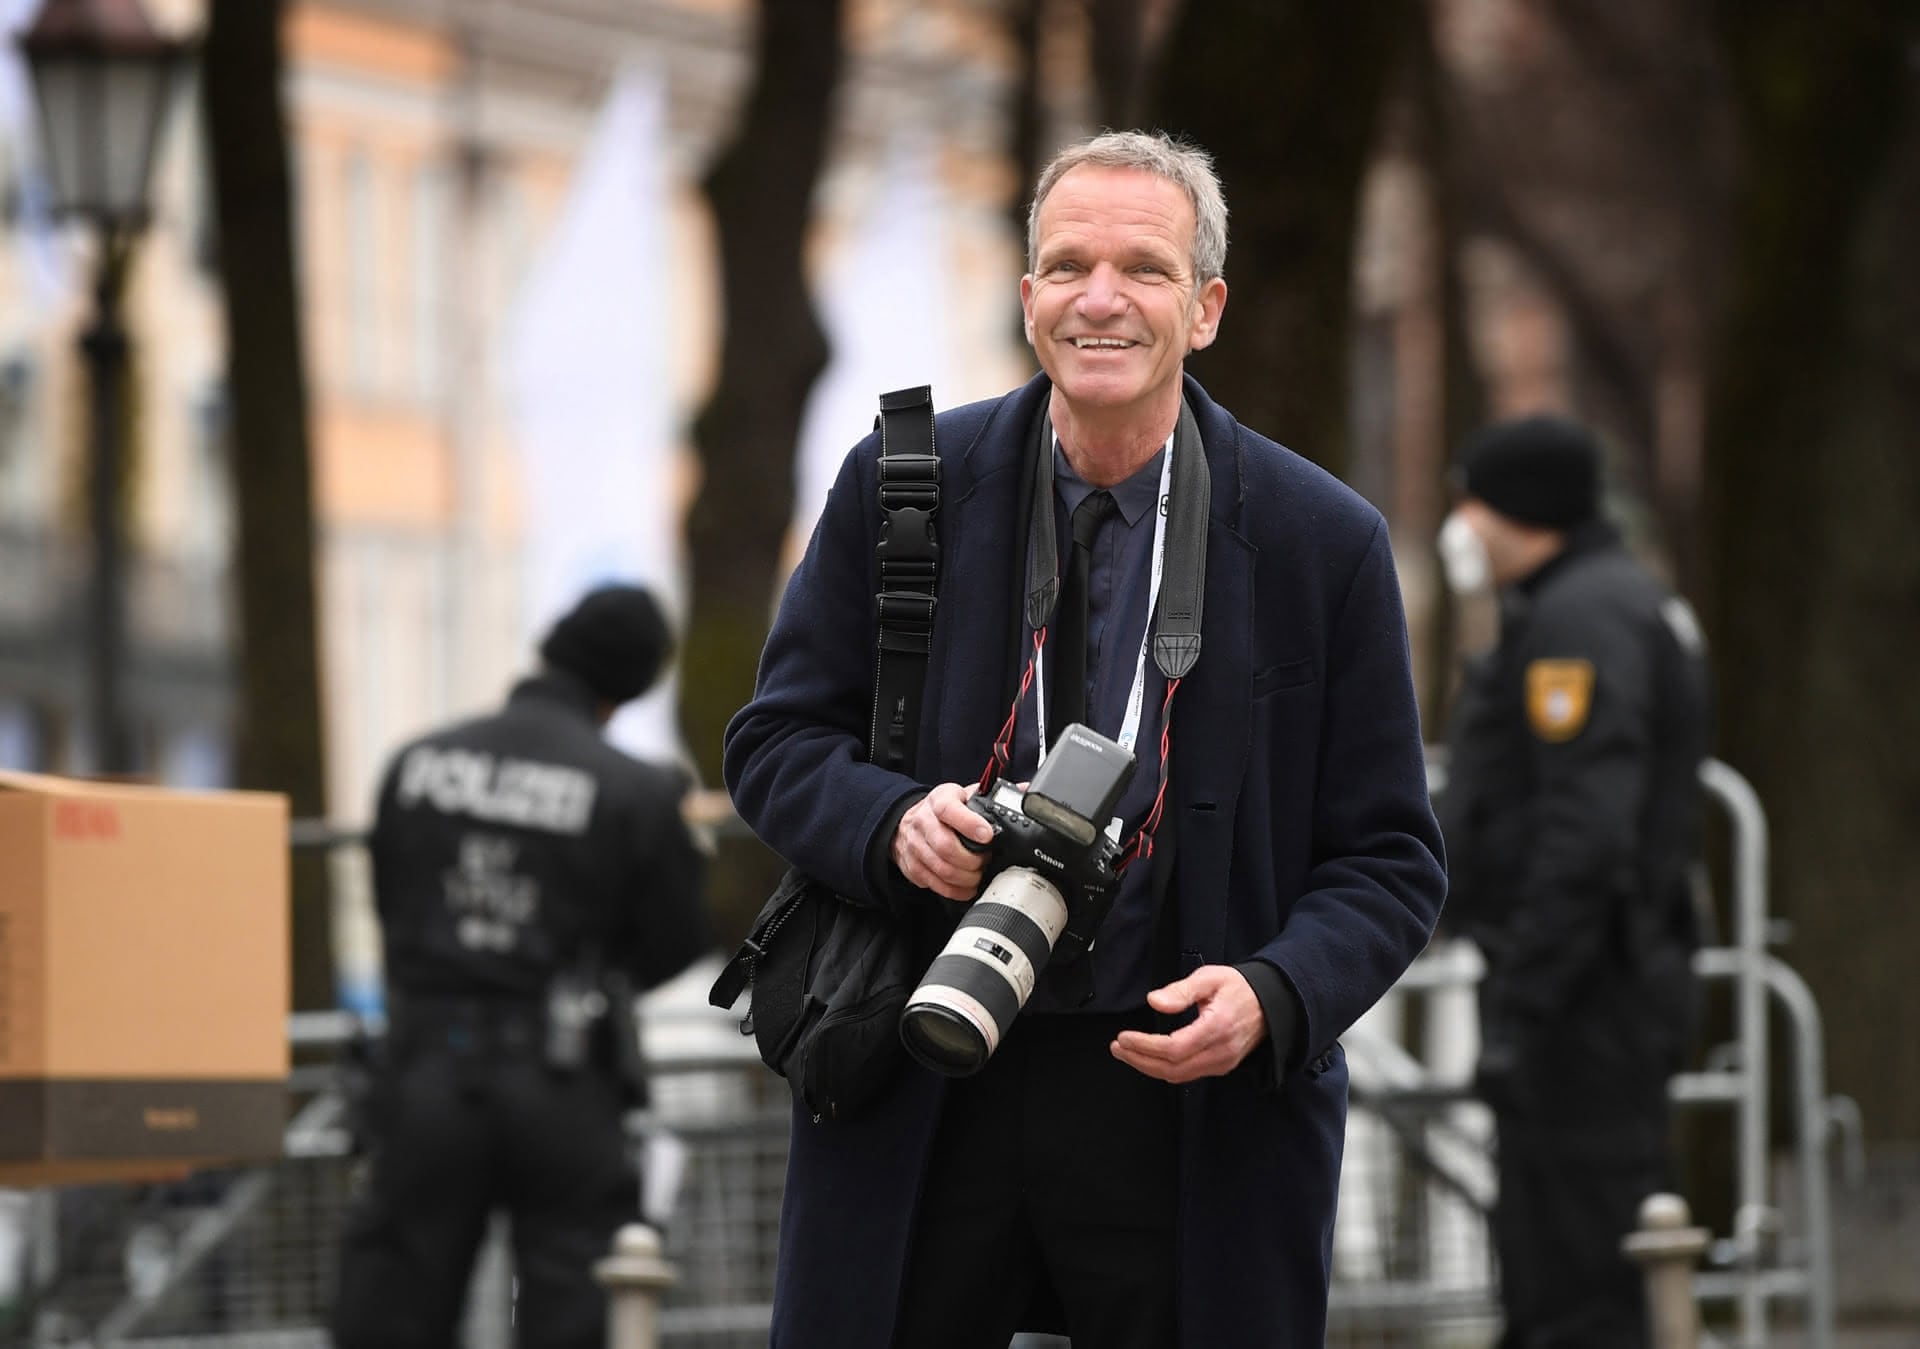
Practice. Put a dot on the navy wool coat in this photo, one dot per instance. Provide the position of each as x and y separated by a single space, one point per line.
1303 837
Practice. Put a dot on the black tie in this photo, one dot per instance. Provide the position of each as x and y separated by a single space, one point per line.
1069 701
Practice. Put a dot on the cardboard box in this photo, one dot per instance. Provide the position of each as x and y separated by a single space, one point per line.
144 979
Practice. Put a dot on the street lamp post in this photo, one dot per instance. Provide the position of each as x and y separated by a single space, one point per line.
104 345
103 76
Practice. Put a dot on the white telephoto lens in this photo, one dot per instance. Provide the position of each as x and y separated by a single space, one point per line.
985 973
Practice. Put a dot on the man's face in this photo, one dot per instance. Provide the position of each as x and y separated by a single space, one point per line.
1111 305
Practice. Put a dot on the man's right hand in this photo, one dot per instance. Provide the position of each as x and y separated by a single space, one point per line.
927 846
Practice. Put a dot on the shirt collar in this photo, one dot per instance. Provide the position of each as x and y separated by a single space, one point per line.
555 686
1591 536
1135 495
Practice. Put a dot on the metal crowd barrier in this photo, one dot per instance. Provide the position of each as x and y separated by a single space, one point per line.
1739 1077
1761 1262
248 1255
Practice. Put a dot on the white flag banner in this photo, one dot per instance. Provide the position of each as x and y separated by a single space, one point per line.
589 383
884 309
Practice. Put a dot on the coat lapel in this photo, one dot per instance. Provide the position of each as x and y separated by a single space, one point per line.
1211 726
972 666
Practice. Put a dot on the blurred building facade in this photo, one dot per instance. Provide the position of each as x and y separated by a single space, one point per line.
441 180
437 146
446 156
178 687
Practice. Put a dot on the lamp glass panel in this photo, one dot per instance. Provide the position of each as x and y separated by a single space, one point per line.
135 93
68 125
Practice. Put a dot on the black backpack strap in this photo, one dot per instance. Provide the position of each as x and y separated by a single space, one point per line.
909 558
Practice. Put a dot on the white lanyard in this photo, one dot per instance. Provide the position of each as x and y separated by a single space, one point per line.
1136 699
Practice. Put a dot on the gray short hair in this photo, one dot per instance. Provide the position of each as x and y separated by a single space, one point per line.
1181 163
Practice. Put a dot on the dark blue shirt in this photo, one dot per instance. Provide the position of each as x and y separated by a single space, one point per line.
1119 578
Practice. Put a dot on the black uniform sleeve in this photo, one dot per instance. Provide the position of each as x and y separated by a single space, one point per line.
672 923
1472 737
1590 717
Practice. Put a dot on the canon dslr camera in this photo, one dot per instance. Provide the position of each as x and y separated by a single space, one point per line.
1049 872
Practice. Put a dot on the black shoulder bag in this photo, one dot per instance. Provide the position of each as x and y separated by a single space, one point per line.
828 975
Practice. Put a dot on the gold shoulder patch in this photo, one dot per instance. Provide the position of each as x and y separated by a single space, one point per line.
1559 697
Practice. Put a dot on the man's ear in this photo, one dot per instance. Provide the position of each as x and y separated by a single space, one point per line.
1026 306
1208 305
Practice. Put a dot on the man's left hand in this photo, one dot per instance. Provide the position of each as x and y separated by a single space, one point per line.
1228 1024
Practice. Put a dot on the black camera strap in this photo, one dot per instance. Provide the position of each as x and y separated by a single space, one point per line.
1175 622
909 569
1176 619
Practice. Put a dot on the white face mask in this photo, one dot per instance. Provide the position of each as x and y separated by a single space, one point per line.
1463 556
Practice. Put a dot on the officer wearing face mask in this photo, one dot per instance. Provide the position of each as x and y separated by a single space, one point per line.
1572 824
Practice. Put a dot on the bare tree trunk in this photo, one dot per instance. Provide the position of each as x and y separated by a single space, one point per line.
1594 149
1813 489
1433 133
1026 21
1670 110
1117 37
280 733
773 348
1287 95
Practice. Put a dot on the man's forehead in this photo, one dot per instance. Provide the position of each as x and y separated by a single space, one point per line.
1070 236
1130 205
1118 187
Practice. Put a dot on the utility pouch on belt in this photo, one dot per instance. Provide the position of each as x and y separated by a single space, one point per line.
830 976
575 1006
623 1029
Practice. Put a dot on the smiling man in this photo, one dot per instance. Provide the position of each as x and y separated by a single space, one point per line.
1150 1157
1118 295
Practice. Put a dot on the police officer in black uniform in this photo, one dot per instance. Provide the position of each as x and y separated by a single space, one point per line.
1572 822
530 879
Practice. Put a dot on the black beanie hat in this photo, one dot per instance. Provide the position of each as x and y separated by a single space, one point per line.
614 641
1539 470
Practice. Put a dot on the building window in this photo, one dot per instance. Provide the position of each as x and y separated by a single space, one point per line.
430 251
363 275
22 737
20 473
515 238
211 485
196 758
